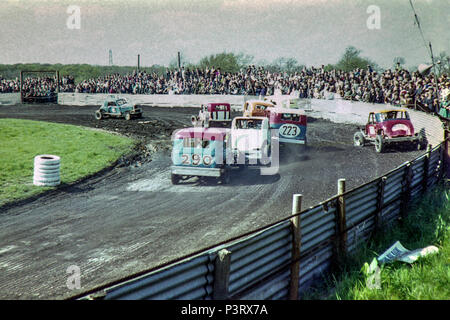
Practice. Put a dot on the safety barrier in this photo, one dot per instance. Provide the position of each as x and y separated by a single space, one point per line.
162 100
9 99
191 280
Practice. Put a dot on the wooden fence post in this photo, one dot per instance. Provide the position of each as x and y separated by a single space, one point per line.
380 204
21 86
222 275
426 169
57 82
296 243
342 219
446 159
406 197
340 244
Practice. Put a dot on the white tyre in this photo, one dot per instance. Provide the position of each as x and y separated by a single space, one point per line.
46 176
46 170
47 159
45 183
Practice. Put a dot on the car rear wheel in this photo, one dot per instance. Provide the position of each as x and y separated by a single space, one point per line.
379 144
225 177
421 142
358 139
174 178
127 116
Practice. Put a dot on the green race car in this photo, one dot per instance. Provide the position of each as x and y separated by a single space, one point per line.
118 108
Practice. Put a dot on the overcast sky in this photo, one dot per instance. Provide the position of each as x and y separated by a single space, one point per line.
314 32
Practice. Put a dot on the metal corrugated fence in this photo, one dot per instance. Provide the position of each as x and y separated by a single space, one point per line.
316 225
275 288
259 264
258 255
314 265
191 280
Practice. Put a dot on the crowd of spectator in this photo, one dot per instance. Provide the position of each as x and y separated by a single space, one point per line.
397 87
37 87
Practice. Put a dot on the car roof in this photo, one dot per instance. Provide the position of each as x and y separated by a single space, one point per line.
250 118
288 110
200 132
218 104
391 110
109 99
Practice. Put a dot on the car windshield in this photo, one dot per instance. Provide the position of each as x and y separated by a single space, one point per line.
392 115
121 102
220 107
260 107
290 116
195 143
249 124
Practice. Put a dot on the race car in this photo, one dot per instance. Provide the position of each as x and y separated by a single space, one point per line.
257 108
118 108
200 152
251 140
291 125
214 115
389 127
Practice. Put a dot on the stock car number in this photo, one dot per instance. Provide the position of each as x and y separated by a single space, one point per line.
196 159
289 130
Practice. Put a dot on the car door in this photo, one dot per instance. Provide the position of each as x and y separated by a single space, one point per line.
246 111
112 107
371 126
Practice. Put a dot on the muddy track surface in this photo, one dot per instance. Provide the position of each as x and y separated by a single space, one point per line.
131 218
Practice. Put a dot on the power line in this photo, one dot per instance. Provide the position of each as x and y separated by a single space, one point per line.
418 25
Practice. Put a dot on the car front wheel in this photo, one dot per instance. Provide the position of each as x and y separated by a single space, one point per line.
379 144
98 115
358 139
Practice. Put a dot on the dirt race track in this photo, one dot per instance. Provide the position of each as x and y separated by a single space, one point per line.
131 218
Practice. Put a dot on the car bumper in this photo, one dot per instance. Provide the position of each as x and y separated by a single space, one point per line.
283 140
401 139
252 154
197 171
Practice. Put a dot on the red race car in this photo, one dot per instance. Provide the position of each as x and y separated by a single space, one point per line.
389 127
216 115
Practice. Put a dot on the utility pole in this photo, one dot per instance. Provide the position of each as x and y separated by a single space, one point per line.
139 62
179 60
110 57
435 75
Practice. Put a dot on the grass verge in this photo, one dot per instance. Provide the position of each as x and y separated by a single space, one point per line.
428 223
83 151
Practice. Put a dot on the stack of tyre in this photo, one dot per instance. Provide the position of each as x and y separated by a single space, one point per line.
47 170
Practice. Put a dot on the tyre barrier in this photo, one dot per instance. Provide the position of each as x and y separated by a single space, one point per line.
46 170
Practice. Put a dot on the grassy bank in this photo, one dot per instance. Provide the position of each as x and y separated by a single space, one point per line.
428 223
83 152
